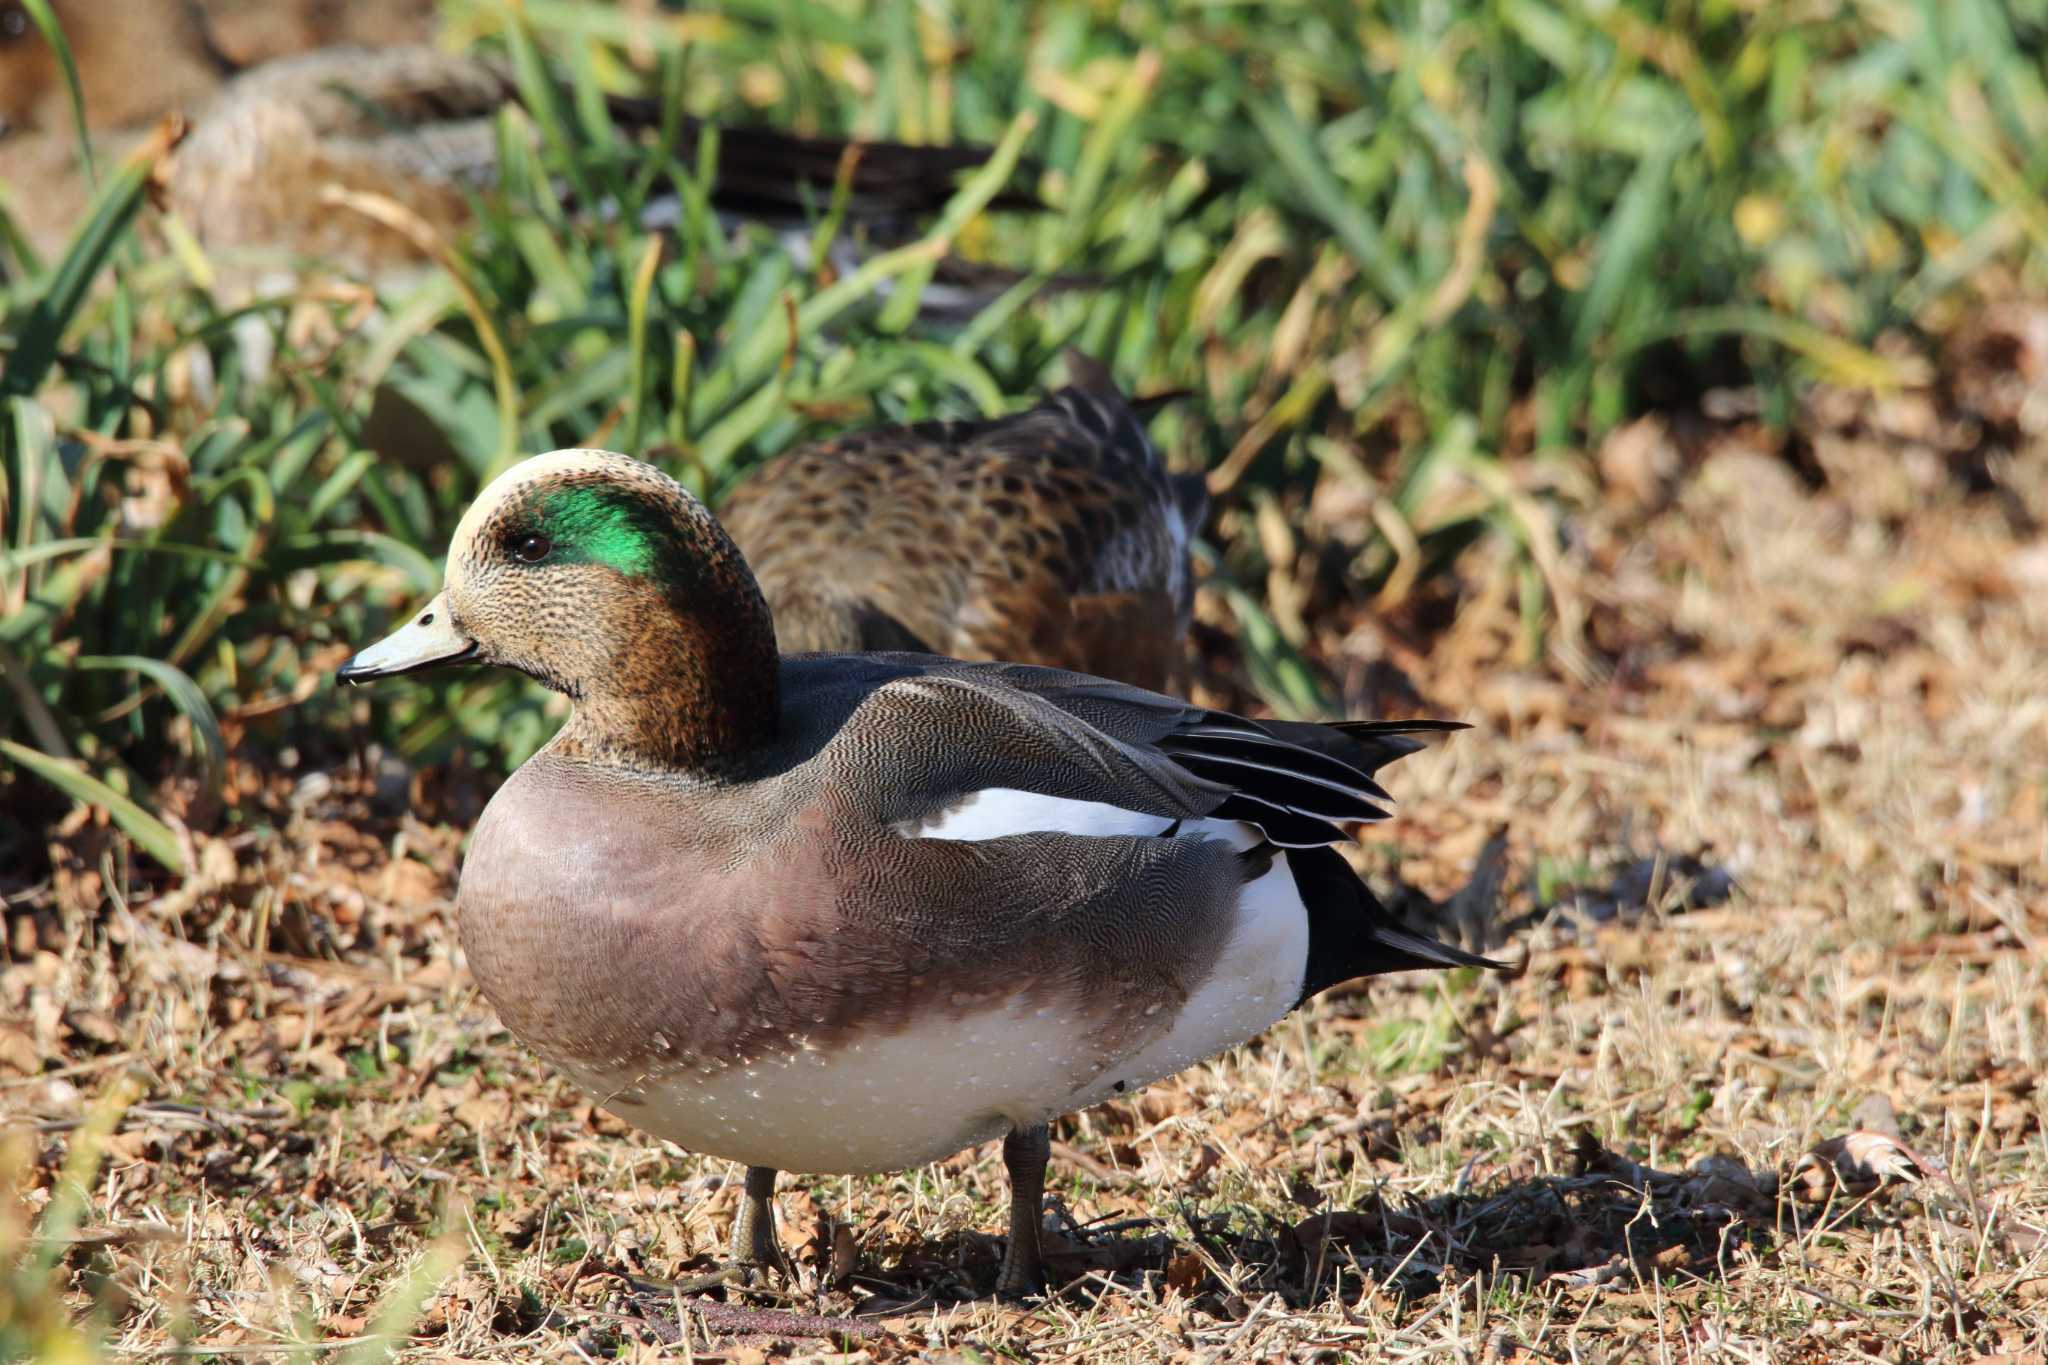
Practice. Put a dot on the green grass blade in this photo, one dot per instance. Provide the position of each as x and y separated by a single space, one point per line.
1836 360
636 343
113 209
1310 178
1641 219
149 834
12 560
53 34
183 693
347 544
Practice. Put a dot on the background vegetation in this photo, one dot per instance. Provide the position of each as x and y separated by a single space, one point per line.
1658 386
1401 243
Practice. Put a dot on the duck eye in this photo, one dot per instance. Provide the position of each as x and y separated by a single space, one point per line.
13 23
532 549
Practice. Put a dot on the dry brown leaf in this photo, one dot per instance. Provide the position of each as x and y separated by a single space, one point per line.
487 1112
1185 1273
845 1254
18 1051
1639 461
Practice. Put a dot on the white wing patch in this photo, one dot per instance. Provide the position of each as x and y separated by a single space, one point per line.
994 812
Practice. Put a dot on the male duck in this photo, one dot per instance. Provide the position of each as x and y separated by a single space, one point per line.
1053 536
855 912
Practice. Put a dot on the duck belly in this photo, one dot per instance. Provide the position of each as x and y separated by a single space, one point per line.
885 1101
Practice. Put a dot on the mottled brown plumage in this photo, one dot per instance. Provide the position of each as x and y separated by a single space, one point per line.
411 123
417 125
850 912
135 63
1055 536
249 32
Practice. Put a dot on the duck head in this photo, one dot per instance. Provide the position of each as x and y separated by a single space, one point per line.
605 580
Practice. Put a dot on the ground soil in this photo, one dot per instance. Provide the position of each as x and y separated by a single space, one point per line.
1766 805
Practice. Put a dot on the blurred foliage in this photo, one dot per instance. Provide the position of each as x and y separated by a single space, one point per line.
36 1324
1389 244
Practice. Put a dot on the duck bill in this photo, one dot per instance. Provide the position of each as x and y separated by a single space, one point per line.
428 640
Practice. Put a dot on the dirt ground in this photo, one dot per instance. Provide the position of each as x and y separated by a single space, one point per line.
1767 814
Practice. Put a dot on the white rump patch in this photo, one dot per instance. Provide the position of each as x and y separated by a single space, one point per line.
1257 979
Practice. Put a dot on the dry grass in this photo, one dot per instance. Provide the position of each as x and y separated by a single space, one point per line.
1836 695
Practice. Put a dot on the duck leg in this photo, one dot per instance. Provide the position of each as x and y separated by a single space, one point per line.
1025 1153
755 1249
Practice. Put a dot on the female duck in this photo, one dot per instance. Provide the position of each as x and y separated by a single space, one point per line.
1051 536
853 913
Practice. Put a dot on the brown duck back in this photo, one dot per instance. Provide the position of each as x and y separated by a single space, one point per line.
1054 536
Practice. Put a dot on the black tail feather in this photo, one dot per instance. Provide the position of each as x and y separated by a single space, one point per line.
1273 755
1350 934
1282 827
1191 495
1273 786
1368 744
1297 782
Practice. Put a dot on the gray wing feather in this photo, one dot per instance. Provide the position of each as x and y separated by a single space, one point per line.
955 733
1064 734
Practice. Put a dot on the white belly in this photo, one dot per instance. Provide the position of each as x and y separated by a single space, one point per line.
891 1101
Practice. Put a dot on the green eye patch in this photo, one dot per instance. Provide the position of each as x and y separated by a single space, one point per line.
602 526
